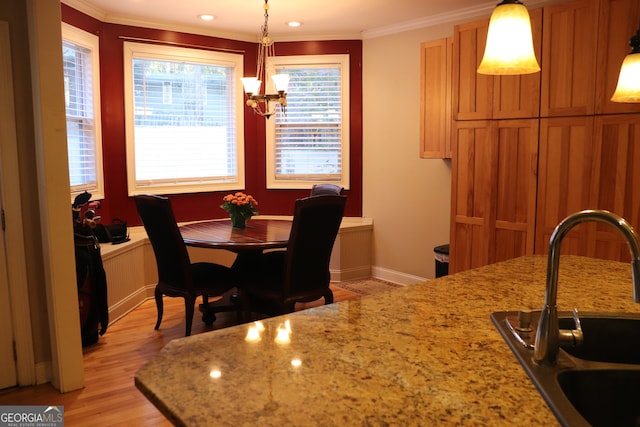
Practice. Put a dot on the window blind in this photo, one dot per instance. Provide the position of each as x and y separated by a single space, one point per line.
184 126
179 136
81 125
308 138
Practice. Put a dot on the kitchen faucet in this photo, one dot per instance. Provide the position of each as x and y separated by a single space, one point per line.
548 335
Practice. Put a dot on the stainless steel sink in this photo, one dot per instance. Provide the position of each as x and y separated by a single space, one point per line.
595 383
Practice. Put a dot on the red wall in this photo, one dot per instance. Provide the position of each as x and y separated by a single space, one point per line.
190 207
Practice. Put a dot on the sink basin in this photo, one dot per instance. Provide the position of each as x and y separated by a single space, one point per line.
606 339
594 383
604 397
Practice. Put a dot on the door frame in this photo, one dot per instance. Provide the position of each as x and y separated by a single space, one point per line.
14 235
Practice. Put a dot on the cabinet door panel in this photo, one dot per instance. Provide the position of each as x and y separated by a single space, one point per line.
435 99
617 158
519 96
569 59
618 21
566 171
472 92
493 191
472 175
515 188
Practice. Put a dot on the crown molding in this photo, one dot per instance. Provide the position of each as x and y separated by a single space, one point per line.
453 17
456 16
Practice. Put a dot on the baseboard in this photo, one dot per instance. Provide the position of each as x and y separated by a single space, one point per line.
43 372
130 303
395 276
362 272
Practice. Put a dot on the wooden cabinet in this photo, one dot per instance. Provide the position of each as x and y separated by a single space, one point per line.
471 193
569 59
512 185
616 186
494 176
589 163
435 99
478 96
472 92
519 96
619 20
564 180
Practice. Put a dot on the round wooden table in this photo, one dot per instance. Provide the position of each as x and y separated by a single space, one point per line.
248 243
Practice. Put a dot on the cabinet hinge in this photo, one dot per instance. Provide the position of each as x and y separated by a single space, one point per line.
15 352
4 224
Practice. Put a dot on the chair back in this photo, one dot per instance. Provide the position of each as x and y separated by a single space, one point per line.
316 222
171 254
326 189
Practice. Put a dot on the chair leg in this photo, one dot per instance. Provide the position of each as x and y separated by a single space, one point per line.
159 307
244 305
328 297
208 313
189 308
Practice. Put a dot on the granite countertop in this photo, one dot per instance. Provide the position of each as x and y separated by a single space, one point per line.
425 354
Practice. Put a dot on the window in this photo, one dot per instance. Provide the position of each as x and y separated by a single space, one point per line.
82 104
184 119
310 142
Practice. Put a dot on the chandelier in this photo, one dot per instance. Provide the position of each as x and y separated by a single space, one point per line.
260 103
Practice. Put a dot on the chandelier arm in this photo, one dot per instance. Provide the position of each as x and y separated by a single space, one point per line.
265 50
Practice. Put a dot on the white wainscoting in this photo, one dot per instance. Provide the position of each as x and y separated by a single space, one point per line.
131 269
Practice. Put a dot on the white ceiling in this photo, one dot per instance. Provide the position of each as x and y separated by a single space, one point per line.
322 19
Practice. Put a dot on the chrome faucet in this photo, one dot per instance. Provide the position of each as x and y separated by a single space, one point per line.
549 335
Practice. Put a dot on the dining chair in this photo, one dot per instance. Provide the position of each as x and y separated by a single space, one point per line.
301 272
177 276
326 189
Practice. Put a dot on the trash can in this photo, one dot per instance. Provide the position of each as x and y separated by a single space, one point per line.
441 254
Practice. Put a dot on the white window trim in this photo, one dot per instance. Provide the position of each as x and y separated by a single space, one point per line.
91 42
301 60
160 52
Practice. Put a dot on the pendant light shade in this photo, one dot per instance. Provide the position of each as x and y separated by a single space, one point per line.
628 89
509 48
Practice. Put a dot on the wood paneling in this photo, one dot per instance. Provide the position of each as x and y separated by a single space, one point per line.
472 176
617 184
619 20
569 58
565 179
519 96
435 98
472 92
493 191
516 183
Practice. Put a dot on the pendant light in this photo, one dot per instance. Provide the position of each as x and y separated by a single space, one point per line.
509 48
628 89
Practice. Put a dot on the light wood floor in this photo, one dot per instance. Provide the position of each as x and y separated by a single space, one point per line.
109 397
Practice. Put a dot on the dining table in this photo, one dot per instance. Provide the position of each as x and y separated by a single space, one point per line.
248 243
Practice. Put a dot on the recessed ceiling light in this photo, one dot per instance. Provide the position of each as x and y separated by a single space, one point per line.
294 23
207 17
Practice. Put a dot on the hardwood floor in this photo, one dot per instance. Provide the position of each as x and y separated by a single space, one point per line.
109 397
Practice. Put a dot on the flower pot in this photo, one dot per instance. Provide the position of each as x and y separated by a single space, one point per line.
238 221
